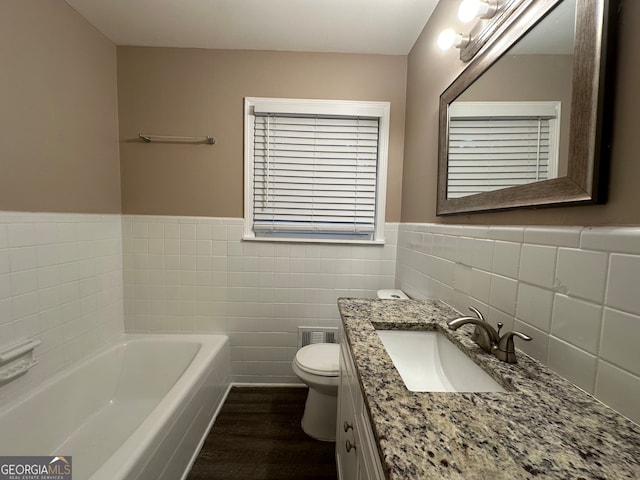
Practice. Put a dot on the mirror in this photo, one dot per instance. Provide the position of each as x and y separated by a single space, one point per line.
526 124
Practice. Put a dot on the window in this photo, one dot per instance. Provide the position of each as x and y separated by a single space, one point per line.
315 170
494 145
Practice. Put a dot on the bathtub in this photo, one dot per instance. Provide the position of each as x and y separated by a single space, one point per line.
139 409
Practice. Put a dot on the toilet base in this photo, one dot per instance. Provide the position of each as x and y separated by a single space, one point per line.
319 419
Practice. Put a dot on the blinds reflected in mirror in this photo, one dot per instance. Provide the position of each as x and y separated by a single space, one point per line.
495 145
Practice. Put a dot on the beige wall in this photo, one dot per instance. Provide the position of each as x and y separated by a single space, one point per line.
430 71
172 91
58 114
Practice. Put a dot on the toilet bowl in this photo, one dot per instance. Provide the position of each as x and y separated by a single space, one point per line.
317 365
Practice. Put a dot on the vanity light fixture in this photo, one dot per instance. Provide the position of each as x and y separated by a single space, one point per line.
449 38
471 9
467 11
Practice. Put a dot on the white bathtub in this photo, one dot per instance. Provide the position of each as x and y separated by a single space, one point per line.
139 409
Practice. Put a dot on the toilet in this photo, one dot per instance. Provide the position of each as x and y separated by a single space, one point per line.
391 294
318 366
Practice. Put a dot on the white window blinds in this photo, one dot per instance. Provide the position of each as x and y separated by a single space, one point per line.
315 173
494 145
315 169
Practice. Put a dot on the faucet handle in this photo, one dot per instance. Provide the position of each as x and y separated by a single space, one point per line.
477 312
521 335
506 350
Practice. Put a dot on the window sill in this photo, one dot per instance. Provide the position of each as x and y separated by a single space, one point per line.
315 240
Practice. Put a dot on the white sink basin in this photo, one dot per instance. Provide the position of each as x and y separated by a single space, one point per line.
429 362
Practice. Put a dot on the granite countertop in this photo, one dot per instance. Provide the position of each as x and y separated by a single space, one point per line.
543 427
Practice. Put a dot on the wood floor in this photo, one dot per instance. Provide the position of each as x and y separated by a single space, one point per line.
257 436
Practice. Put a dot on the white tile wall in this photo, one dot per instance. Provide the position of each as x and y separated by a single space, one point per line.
60 282
573 289
195 274
577 322
583 273
622 293
618 388
537 265
572 363
506 259
620 335
74 281
504 294
534 306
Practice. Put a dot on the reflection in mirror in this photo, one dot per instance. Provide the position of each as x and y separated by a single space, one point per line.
561 85
510 127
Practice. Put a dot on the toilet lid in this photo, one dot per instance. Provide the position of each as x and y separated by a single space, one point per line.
320 359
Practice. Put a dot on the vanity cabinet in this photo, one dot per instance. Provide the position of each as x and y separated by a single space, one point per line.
356 453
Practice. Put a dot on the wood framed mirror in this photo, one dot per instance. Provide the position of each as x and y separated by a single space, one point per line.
527 123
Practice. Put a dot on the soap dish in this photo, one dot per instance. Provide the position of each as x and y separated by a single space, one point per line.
16 360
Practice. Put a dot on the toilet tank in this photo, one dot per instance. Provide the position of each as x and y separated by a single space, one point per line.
392 294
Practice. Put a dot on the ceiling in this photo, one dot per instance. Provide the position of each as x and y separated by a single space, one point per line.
347 26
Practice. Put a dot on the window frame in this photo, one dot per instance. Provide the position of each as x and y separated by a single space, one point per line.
350 108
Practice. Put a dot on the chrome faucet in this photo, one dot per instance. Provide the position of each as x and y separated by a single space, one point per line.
484 334
488 338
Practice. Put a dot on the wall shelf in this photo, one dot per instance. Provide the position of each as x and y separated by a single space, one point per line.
147 138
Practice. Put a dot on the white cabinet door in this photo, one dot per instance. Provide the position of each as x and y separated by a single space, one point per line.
346 449
368 461
356 452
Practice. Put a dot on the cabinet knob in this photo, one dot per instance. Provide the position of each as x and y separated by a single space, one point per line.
347 426
349 446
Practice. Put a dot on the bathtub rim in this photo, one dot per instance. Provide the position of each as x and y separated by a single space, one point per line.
118 340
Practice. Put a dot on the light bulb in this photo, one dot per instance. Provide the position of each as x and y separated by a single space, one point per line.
446 39
449 38
470 9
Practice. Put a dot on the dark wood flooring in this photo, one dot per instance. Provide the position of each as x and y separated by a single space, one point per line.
257 436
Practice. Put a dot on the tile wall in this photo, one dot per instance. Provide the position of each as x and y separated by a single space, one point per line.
195 274
574 290
60 282
75 281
